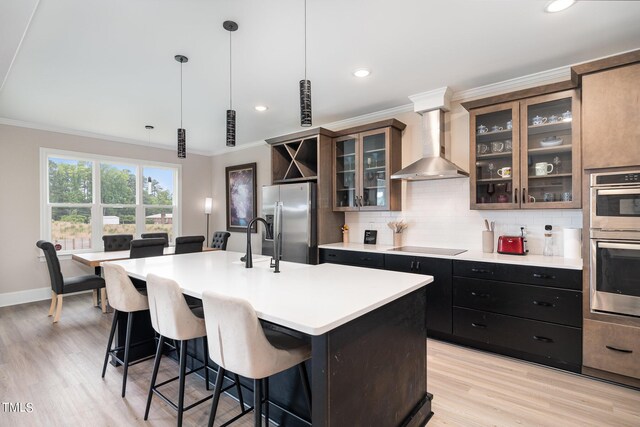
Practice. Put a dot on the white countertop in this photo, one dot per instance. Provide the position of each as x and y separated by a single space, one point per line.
312 299
534 260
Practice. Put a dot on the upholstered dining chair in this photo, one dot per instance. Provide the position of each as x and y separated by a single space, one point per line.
117 242
142 248
164 236
219 240
124 298
189 244
61 286
238 343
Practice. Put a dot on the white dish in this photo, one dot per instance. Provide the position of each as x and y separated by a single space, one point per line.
551 143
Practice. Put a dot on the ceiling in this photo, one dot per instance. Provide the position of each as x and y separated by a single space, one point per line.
107 67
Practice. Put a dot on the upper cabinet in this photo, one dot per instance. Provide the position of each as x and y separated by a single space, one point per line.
611 107
363 160
526 154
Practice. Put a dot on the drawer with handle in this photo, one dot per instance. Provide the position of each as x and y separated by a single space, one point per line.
478 270
612 348
532 302
355 258
560 343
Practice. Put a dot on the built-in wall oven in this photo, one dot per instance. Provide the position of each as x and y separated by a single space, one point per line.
615 243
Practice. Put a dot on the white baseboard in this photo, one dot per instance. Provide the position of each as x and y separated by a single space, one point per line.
23 297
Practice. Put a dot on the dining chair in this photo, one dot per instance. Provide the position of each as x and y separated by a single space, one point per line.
61 286
124 298
172 318
164 236
219 240
142 248
117 242
189 244
238 343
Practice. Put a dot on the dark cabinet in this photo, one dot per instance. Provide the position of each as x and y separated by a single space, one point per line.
529 312
354 258
438 292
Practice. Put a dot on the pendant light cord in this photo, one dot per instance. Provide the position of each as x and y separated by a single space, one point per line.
305 39
230 75
181 63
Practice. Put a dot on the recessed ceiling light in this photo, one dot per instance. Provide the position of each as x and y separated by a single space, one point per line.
558 5
261 108
361 72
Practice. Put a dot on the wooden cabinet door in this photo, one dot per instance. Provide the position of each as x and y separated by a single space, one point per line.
494 157
374 170
610 111
550 170
345 173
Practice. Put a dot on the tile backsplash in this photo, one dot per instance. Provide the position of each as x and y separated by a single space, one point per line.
438 215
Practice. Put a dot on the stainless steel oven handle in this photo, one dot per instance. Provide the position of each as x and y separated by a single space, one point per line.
618 191
619 246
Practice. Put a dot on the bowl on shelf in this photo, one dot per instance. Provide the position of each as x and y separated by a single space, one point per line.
551 141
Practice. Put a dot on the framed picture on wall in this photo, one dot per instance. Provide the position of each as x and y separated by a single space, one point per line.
241 197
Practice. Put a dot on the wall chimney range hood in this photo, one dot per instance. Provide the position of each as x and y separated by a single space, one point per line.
433 164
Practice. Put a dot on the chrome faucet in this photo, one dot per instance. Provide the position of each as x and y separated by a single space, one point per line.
248 259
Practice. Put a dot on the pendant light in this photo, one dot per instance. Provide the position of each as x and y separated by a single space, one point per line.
182 134
149 128
305 85
230 26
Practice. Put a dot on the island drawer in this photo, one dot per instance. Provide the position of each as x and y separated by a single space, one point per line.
612 348
532 302
355 258
478 270
561 343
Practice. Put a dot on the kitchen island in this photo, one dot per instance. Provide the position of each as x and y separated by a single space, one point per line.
367 330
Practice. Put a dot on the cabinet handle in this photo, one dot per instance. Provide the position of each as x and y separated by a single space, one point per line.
479 295
479 325
543 304
524 195
417 265
515 196
331 255
621 350
480 270
543 276
411 268
542 339
365 259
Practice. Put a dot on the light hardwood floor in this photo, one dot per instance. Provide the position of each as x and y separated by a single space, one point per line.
56 367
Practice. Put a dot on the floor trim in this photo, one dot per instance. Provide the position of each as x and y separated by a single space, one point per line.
23 297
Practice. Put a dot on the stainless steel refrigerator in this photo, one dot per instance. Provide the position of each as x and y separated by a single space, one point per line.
299 215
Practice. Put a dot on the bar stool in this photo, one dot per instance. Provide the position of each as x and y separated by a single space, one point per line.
238 343
172 318
125 298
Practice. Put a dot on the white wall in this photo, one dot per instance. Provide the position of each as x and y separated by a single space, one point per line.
21 267
262 156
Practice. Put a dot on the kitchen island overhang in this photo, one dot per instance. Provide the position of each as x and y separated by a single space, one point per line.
367 329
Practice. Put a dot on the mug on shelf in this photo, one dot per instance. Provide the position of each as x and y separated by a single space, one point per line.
508 145
537 120
496 128
543 168
532 199
554 119
566 116
566 196
483 129
503 198
504 172
497 147
548 197
510 125
483 149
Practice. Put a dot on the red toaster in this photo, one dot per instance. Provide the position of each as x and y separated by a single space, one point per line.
512 245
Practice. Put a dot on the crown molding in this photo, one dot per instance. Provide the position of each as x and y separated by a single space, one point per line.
525 82
369 117
86 134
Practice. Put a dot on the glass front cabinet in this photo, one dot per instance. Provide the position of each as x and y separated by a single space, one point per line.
363 163
526 154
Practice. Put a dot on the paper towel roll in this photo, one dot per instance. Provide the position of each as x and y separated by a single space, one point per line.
571 241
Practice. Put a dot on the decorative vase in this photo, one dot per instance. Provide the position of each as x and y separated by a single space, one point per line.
345 237
397 239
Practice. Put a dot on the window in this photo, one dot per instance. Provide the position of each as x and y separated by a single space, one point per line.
86 197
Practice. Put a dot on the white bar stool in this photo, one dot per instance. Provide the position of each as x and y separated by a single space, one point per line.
125 298
238 343
172 318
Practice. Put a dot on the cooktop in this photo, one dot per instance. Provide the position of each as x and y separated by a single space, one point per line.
433 251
